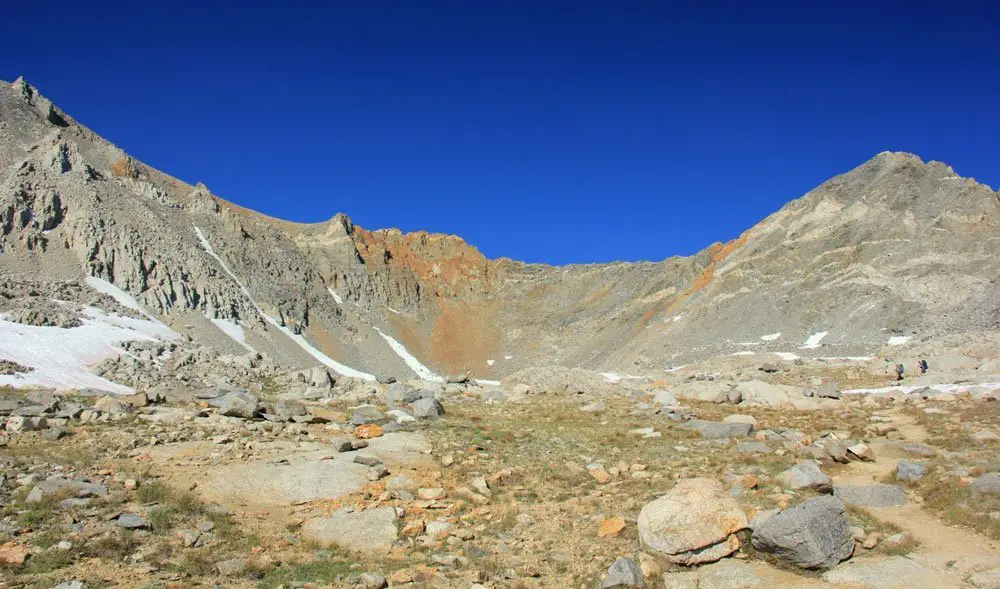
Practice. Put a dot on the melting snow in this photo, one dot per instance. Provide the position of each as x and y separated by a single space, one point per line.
335 296
898 340
507 357
786 356
124 299
391 310
676 368
744 353
233 330
421 371
770 337
941 388
61 357
490 362
614 377
492 383
814 339
297 338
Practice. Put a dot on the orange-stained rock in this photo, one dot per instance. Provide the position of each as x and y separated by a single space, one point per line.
610 527
12 554
368 431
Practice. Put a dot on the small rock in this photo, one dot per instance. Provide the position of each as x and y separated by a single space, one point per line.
131 521
12 554
239 404
367 414
598 473
622 574
812 535
862 451
610 527
367 460
806 475
373 581
908 471
377 472
231 567
368 431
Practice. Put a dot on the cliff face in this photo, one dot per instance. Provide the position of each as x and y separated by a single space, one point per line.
896 247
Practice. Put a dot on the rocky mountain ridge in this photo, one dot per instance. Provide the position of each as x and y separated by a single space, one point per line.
896 249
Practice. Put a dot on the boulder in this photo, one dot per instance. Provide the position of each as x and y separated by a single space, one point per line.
693 523
372 530
909 471
876 495
665 398
812 535
427 408
286 408
239 404
367 414
400 394
806 475
988 483
622 574
716 430
110 404
758 392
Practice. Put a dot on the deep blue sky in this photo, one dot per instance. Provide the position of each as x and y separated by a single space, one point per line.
544 131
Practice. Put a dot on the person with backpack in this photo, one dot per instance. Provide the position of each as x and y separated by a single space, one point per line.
922 365
899 372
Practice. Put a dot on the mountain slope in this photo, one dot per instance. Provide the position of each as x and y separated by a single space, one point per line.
895 248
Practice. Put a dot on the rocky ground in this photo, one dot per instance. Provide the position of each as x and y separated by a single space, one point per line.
554 478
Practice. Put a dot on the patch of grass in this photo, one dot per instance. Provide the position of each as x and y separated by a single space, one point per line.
47 561
319 571
114 547
161 518
153 492
958 505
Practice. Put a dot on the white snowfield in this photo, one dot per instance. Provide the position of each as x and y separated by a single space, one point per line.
297 338
814 339
411 361
770 337
335 296
61 356
233 330
941 388
898 340
124 299
787 356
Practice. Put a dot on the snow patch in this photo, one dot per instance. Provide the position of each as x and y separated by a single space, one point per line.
507 357
814 339
335 296
898 340
491 383
419 369
124 299
744 353
491 362
770 337
787 356
676 368
233 330
297 338
391 310
614 377
941 388
61 357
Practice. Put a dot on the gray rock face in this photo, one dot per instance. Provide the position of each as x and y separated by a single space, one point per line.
693 523
111 405
806 475
131 521
988 483
400 394
56 485
908 471
666 399
367 414
622 574
286 409
372 530
812 535
877 495
239 404
828 390
428 408
889 573
717 430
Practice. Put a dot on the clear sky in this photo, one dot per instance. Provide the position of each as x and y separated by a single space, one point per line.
546 131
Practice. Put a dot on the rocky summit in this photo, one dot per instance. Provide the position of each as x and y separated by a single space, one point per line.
195 394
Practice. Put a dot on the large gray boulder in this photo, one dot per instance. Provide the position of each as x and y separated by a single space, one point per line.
624 573
909 471
716 430
812 535
877 495
239 404
806 475
400 394
372 530
427 408
367 414
286 408
693 523
988 483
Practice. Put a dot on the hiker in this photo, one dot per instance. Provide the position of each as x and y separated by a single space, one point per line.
923 366
899 371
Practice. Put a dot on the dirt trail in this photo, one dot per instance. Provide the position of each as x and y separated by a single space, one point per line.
949 549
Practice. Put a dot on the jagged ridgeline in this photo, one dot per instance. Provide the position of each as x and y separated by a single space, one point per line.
896 248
